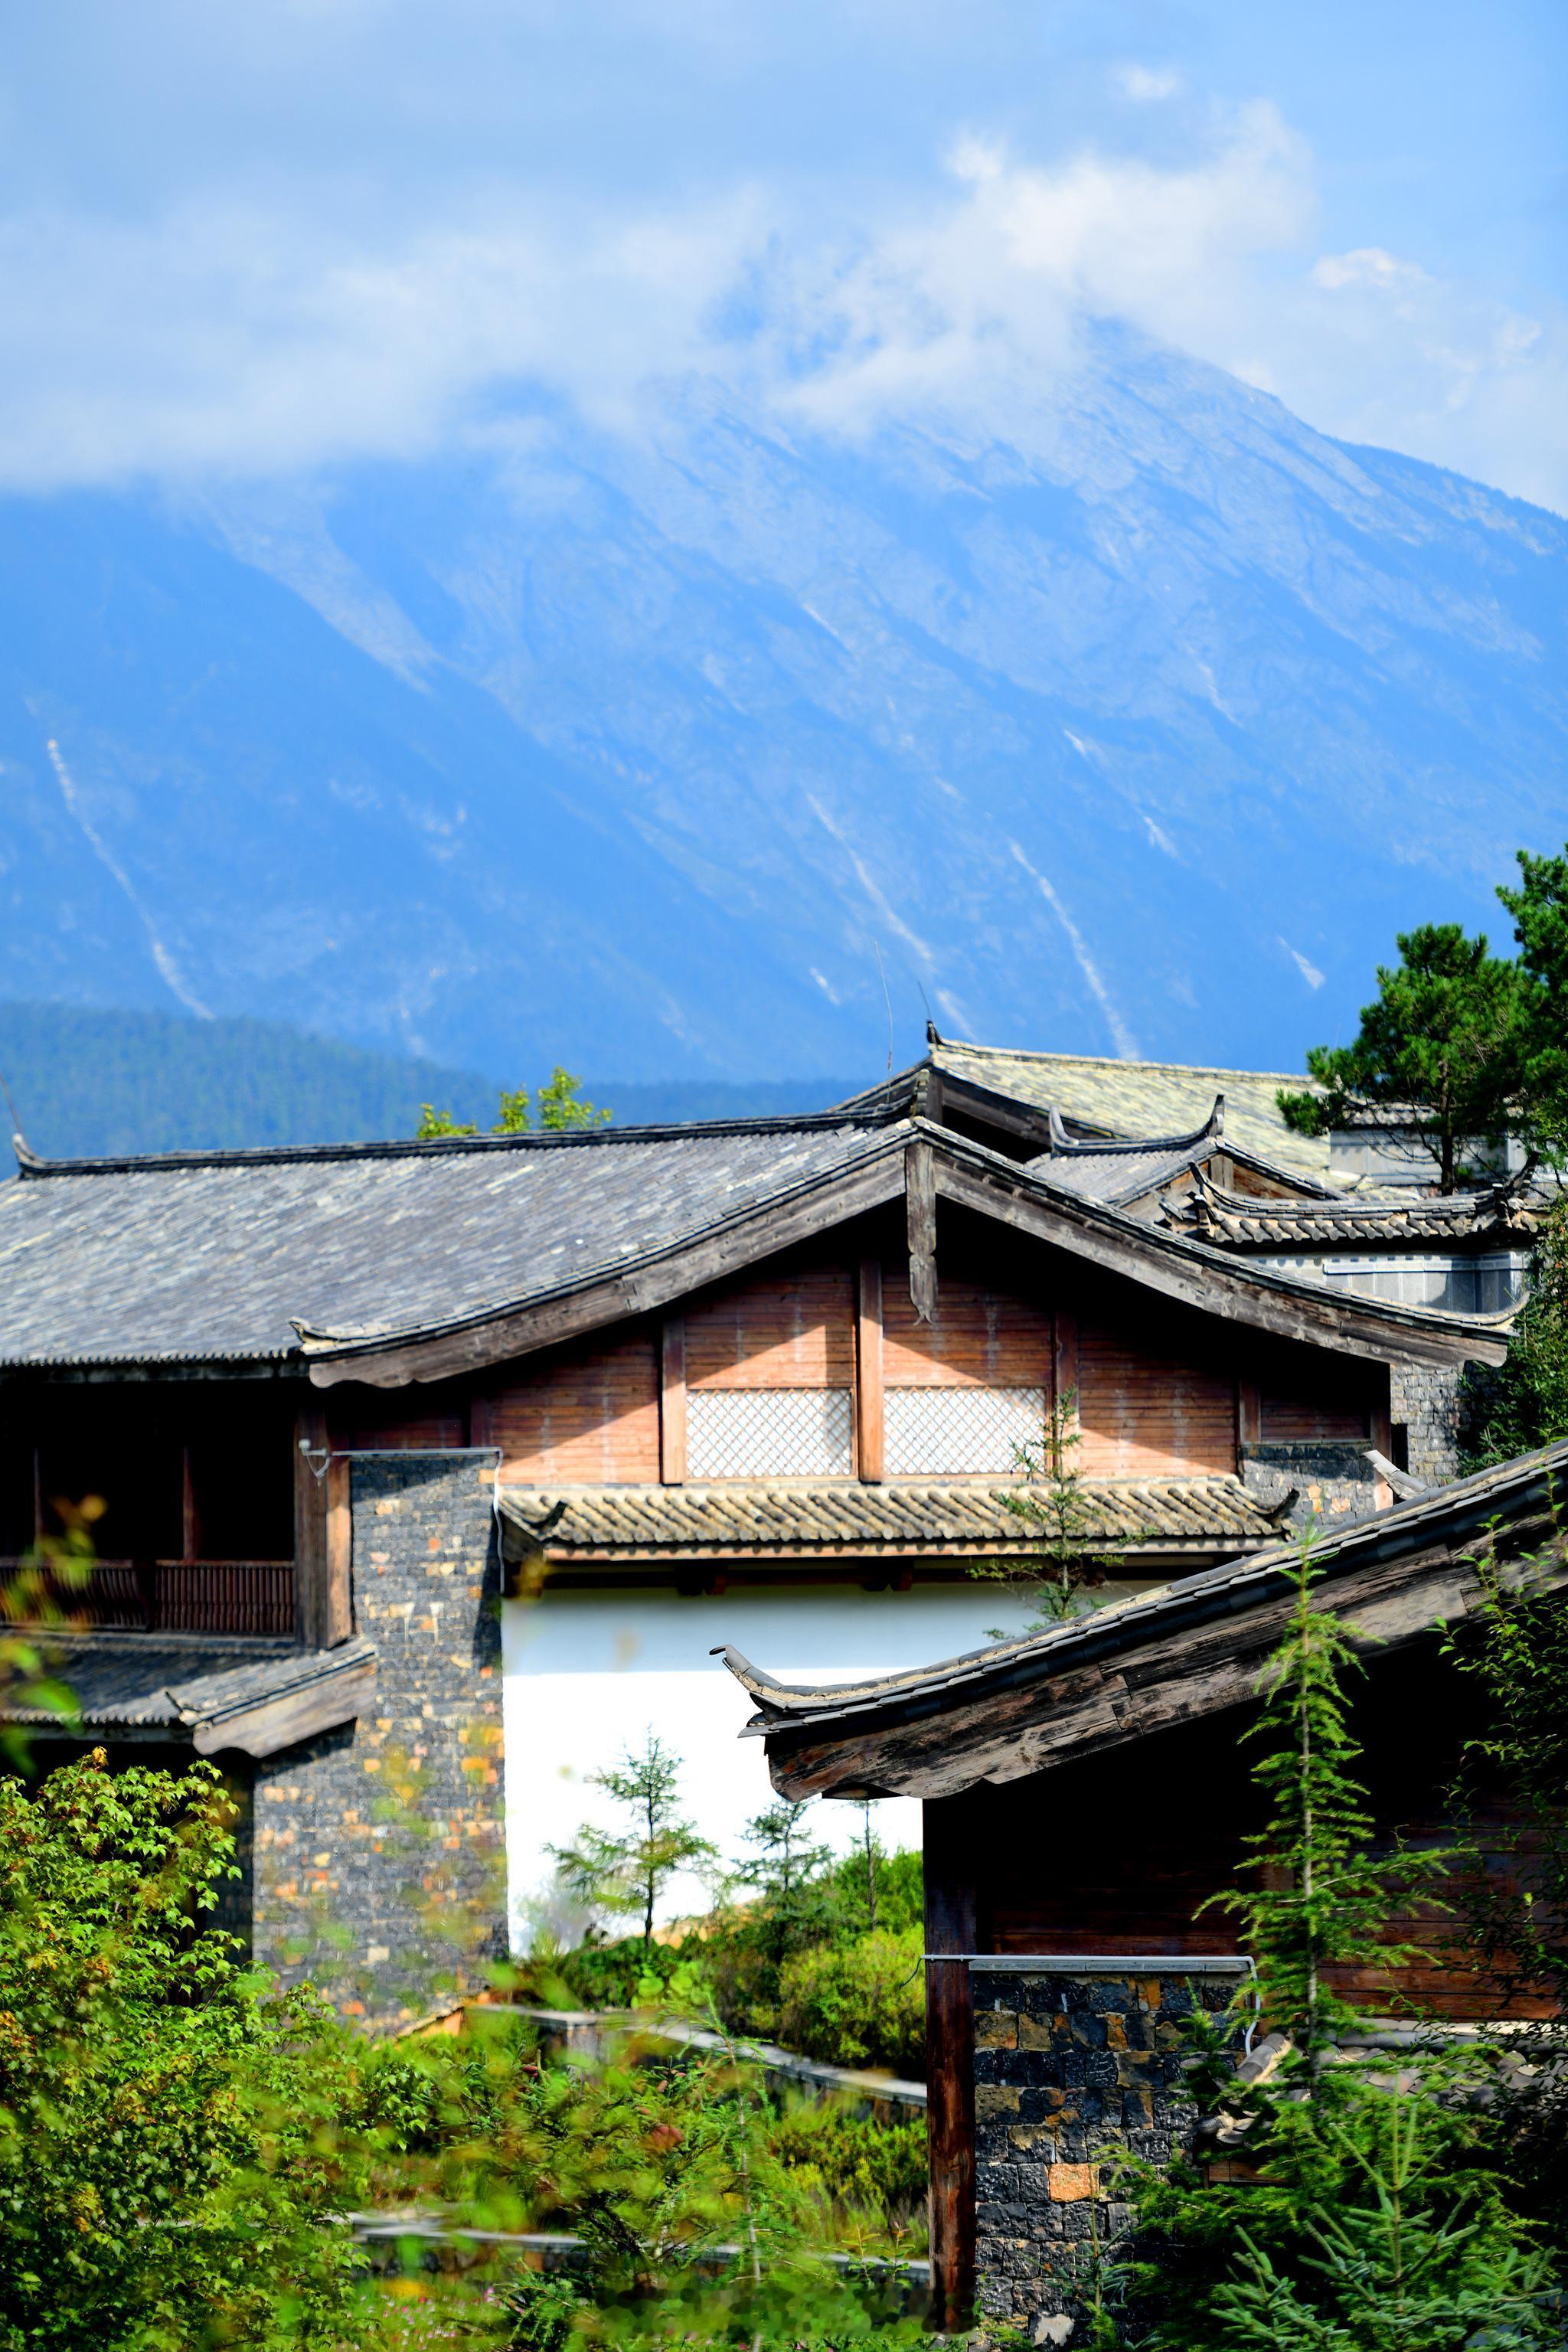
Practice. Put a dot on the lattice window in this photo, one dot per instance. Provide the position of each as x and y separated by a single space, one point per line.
769 1433
940 1433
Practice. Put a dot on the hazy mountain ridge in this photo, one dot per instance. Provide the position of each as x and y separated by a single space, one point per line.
657 755
93 1084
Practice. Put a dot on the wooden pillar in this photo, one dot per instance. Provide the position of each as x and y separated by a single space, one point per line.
324 1535
189 1518
869 1406
1248 1413
950 1927
919 1201
672 1402
1382 1441
1066 1363
338 1603
309 1524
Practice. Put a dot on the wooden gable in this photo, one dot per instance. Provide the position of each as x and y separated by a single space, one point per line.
1156 1390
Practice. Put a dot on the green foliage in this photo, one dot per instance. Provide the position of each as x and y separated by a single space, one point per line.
1440 1055
90 1081
1374 2230
1523 1402
35 1606
1375 2216
783 1869
857 2004
1057 1506
560 1108
739 1955
1319 1898
170 2149
1514 1652
854 2161
666 2166
622 1973
1539 911
629 1873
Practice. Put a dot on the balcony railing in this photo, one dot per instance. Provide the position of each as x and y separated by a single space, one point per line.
184 1596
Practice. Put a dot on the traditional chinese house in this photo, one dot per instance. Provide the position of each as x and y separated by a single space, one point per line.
1086 1791
456 1459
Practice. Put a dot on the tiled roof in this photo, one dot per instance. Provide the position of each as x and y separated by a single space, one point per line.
350 1254
1118 1174
1521 1493
214 1256
799 1518
149 1683
1236 1220
1146 1098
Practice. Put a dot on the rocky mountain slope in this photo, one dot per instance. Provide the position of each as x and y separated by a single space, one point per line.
726 749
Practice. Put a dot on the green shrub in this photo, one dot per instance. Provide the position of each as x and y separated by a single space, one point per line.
172 2149
842 1893
853 2159
860 2005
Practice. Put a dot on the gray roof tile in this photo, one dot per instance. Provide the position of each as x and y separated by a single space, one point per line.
213 1257
797 1518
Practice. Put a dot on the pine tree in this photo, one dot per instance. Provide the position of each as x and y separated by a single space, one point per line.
629 1873
1062 1517
1374 2221
1318 1899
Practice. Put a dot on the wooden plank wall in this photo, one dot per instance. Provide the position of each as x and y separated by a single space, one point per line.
589 1418
1149 1407
1046 1878
1145 1413
1282 1419
795 1331
977 1337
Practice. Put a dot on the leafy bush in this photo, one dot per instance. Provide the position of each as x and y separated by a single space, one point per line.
853 2160
859 2004
1523 1402
171 2154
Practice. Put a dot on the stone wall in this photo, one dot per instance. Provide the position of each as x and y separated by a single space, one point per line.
378 1866
1333 1479
1426 1400
1071 2071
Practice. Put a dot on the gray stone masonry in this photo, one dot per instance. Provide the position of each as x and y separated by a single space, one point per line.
1426 1399
1070 2072
1333 1479
379 1870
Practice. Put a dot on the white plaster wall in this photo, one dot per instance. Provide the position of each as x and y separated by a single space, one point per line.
587 1675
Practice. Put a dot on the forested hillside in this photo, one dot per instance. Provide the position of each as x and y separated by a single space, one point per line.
86 1081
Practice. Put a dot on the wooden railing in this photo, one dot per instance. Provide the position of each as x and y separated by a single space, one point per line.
186 1596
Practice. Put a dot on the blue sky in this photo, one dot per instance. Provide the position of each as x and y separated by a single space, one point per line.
253 241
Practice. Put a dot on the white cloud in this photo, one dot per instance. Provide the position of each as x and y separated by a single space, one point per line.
258 338
1147 87
1367 265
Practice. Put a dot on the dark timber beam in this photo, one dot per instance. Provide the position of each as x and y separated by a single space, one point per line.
1004 1733
1214 1286
919 1201
948 1847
